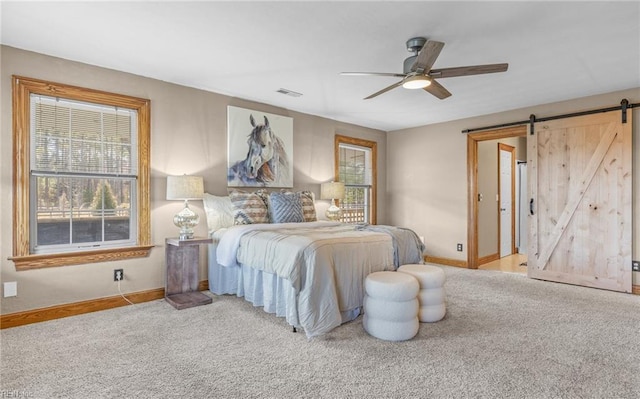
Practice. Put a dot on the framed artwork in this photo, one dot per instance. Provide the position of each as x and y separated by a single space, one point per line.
259 149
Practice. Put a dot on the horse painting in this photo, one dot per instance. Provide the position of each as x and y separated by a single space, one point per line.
266 163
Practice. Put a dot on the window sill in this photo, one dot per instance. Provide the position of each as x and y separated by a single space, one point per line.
30 262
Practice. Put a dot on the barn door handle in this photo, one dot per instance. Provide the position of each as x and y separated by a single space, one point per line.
531 206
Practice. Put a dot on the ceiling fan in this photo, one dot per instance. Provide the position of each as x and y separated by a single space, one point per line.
417 72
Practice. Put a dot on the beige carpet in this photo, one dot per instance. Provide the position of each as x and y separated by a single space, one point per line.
504 336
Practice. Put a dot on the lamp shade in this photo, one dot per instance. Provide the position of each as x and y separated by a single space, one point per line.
332 190
185 187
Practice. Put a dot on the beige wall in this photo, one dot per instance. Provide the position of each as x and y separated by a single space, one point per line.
427 173
188 135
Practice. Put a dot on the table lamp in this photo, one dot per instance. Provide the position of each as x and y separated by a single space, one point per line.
332 191
185 188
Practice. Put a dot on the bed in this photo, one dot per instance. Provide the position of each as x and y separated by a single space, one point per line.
309 272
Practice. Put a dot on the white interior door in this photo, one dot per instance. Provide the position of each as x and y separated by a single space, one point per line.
505 171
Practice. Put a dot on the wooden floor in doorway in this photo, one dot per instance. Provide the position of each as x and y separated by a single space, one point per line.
512 264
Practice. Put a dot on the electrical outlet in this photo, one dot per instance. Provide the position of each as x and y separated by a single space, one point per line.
118 274
635 265
459 247
10 289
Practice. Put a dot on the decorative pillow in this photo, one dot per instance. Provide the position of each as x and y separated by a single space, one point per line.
286 208
219 211
249 208
308 206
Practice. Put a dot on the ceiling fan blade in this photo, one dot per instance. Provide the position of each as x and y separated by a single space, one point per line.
397 75
468 70
437 90
427 56
386 89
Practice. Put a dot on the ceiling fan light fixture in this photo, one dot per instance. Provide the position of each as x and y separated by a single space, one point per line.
416 82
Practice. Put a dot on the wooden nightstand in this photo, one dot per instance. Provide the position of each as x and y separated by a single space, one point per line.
181 284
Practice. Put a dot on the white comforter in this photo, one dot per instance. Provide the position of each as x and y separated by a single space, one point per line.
326 264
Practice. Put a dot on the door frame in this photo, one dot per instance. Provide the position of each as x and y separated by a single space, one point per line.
472 183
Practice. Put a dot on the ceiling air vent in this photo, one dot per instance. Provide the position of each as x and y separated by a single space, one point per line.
289 92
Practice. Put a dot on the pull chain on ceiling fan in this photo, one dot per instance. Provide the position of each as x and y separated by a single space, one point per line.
417 72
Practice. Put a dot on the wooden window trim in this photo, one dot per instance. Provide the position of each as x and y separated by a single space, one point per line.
373 146
23 87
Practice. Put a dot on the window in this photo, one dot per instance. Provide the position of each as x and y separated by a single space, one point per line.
356 168
81 177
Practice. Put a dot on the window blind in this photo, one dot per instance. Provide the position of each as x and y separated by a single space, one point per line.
355 166
74 137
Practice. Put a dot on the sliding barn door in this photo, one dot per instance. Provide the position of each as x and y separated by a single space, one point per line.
580 201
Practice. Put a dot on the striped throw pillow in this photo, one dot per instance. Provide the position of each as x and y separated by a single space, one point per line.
249 208
308 206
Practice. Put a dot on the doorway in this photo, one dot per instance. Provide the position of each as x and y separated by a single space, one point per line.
476 198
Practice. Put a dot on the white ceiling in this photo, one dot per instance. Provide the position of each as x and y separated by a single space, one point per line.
556 51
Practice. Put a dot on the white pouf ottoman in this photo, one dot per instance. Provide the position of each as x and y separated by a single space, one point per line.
391 306
431 295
